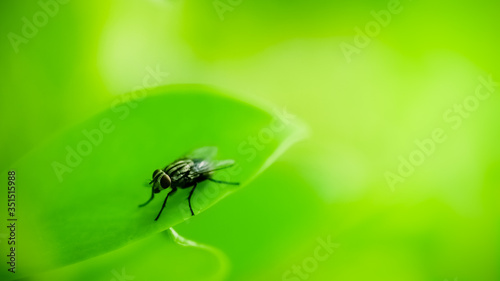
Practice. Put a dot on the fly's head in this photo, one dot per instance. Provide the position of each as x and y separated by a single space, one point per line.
160 181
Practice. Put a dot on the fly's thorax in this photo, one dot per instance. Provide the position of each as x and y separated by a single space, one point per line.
179 169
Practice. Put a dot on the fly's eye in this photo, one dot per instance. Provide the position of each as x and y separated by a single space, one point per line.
165 181
155 173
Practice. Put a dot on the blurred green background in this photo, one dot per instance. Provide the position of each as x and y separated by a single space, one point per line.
415 69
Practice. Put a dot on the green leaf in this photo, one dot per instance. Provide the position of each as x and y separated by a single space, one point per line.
80 191
147 259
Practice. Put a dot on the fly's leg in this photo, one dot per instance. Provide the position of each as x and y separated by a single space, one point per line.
155 179
224 182
152 196
164 203
189 199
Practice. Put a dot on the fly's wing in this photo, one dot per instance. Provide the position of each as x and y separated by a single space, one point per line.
203 153
214 165
204 160
222 164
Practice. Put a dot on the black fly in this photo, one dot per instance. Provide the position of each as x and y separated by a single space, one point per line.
188 171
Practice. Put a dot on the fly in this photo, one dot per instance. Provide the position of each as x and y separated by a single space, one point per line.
187 172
